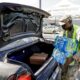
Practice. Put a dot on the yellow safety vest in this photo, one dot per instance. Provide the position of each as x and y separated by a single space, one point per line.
73 37
74 33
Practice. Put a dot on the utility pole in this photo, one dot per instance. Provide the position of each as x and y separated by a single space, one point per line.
40 4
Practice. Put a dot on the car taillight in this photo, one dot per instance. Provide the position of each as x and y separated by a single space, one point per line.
24 77
20 77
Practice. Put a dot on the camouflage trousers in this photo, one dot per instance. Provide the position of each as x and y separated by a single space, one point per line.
70 74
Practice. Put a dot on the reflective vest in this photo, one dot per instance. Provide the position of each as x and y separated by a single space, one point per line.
74 32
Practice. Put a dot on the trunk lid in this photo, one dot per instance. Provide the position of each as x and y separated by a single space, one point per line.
18 20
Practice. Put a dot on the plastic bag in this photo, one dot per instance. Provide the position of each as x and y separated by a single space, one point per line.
67 45
71 46
60 43
59 56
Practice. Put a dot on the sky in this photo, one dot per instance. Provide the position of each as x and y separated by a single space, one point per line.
51 3
45 3
26 2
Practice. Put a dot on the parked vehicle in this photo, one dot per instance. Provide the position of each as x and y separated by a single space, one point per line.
24 53
51 29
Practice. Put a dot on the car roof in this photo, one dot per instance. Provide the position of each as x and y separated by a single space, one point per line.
19 7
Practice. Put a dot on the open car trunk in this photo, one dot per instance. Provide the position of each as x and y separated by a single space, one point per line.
20 36
27 55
